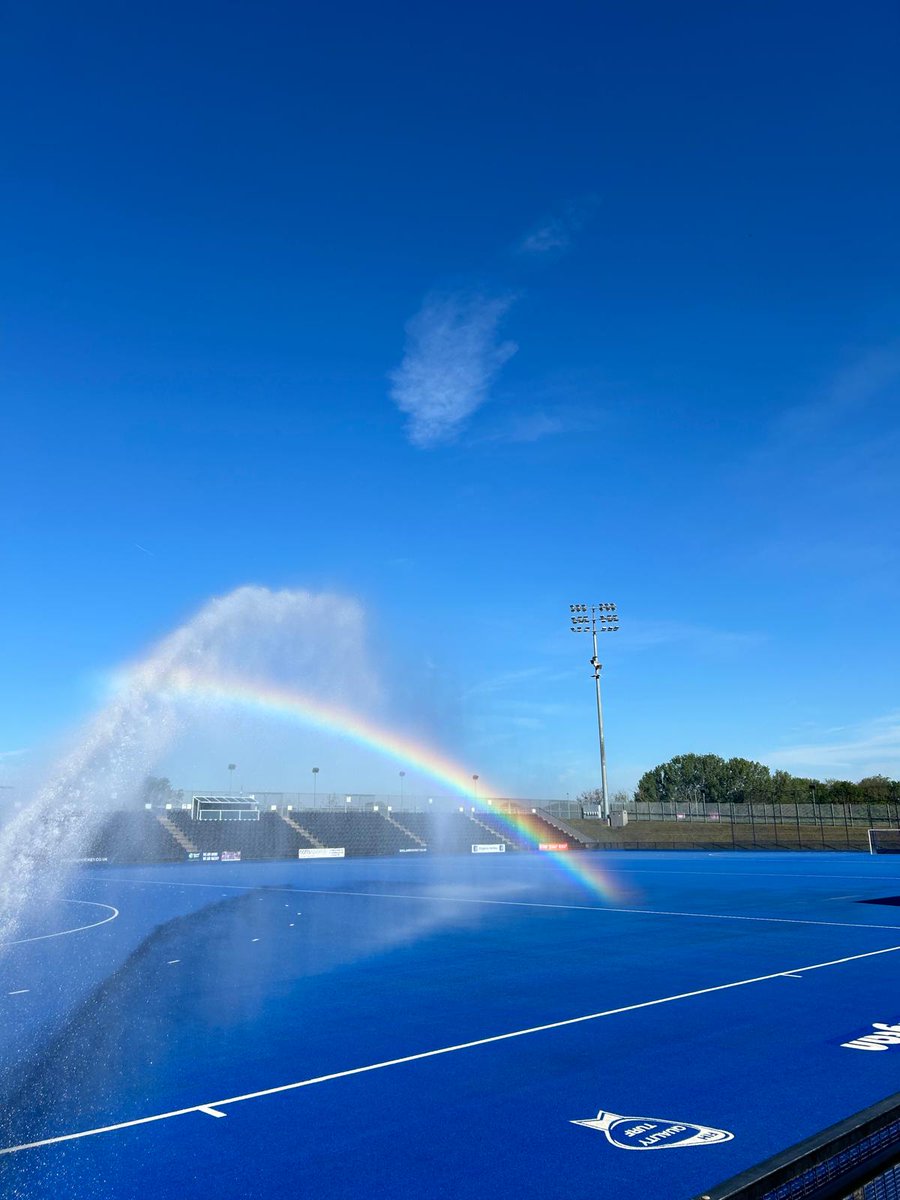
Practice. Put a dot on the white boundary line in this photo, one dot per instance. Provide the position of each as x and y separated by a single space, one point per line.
213 1107
873 878
41 937
648 912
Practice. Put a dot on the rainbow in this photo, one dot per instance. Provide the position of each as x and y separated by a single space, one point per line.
272 700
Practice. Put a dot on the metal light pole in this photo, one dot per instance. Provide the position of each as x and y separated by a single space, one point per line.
603 619
232 767
402 777
475 782
315 775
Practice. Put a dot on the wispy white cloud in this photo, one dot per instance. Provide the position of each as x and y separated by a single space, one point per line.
536 424
453 353
512 680
839 451
870 380
5 754
532 427
644 635
870 748
554 235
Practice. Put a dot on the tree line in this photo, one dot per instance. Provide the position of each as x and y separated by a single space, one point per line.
709 779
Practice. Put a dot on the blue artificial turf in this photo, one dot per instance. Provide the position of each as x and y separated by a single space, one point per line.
221 979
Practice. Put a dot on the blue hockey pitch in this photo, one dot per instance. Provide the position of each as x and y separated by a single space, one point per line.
399 1028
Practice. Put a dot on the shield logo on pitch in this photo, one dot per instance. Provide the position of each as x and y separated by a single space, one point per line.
653 1133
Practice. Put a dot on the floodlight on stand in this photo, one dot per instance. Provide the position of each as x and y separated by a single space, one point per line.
603 619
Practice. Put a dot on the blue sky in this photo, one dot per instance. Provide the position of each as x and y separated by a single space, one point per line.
468 313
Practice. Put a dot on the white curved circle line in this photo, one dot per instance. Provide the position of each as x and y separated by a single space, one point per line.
78 929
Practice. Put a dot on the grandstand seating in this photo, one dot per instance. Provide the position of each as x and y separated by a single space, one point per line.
445 833
133 837
269 837
365 833
524 830
143 836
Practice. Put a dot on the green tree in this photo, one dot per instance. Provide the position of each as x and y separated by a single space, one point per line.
156 789
876 789
747 782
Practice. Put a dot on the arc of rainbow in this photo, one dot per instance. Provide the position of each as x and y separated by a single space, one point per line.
278 701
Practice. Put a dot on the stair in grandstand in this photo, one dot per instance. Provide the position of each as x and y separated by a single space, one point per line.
571 833
181 838
403 829
495 833
298 828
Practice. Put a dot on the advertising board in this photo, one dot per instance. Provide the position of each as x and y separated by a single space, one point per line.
489 848
322 852
553 846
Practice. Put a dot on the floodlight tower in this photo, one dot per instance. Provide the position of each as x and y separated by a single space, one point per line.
603 619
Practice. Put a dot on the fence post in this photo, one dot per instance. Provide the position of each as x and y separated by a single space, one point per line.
846 825
797 815
732 825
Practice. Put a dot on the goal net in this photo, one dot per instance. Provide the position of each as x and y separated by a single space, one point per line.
884 841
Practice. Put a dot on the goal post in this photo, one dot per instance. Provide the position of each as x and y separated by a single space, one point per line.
884 841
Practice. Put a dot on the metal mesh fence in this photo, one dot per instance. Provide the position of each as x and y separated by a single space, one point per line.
853 1160
861 816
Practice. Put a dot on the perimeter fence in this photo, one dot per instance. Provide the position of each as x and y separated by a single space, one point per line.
322 801
732 826
860 816
857 1159
683 825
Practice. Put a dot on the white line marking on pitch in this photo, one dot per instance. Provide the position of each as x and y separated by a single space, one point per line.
62 933
172 961
210 1111
873 878
20 992
644 912
212 1105
792 975
586 907
647 912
